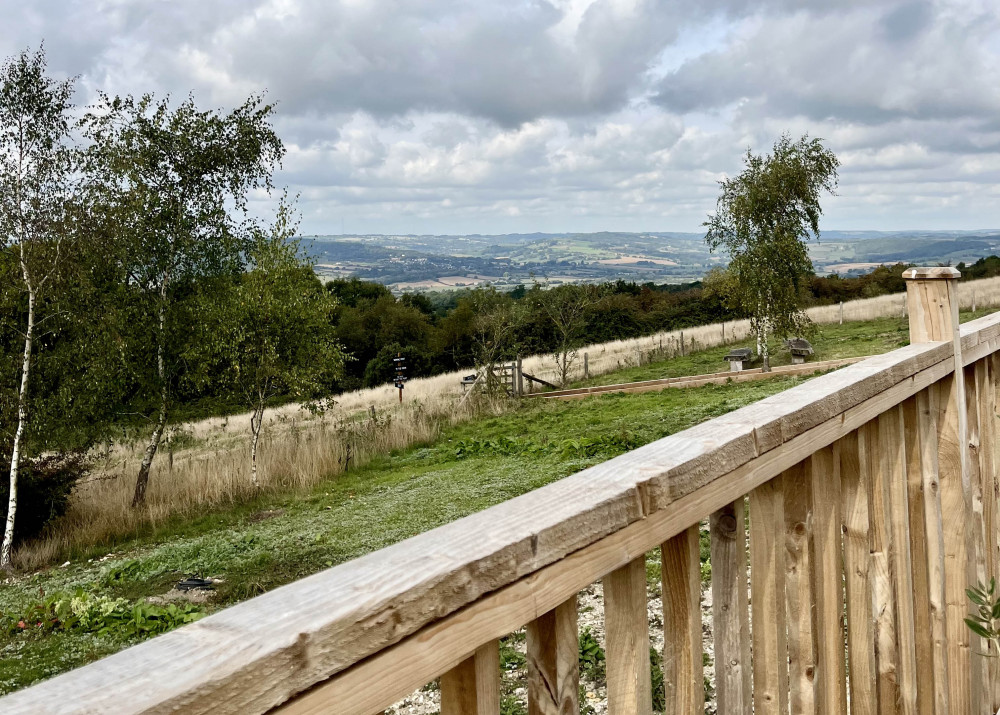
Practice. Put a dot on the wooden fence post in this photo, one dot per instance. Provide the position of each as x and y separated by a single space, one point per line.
683 672
841 312
473 686
682 343
729 612
586 366
627 640
553 662
932 297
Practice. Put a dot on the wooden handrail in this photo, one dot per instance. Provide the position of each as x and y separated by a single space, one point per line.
367 632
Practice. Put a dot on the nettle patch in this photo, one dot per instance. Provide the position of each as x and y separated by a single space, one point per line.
101 615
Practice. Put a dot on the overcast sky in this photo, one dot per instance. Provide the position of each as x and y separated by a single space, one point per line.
459 116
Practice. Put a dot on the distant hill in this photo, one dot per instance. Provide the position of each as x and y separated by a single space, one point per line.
425 262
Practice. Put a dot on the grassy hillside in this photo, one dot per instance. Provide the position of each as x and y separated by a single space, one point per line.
275 540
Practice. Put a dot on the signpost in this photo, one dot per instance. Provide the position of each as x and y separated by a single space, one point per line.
400 380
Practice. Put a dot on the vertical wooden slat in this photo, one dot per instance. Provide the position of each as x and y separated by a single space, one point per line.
627 628
729 609
798 590
824 475
683 668
880 579
553 655
991 492
978 541
855 474
473 686
923 634
933 310
894 484
767 586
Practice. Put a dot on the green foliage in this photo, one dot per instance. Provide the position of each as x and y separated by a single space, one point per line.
592 658
763 218
656 680
985 623
44 488
102 615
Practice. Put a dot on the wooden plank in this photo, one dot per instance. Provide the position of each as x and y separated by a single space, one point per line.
683 668
627 639
243 659
729 609
798 590
896 510
922 631
880 578
831 679
933 523
473 686
963 687
767 584
855 477
974 377
715 378
553 650
990 443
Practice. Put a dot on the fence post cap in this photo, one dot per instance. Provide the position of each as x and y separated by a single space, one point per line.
938 273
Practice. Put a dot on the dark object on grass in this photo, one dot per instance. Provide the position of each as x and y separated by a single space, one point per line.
800 349
195 583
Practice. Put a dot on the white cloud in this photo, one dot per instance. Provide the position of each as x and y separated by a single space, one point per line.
466 115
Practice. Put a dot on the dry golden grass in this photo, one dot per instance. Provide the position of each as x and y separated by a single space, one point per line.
300 449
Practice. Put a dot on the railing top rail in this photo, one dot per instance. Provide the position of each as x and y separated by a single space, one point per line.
259 653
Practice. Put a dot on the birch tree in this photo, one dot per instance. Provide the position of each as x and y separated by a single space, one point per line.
176 182
273 336
36 164
763 218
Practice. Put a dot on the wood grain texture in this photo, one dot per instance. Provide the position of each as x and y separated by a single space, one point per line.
627 640
473 686
927 432
731 627
933 306
855 478
553 649
683 668
831 679
923 634
767 584
259 653
896 509
798 590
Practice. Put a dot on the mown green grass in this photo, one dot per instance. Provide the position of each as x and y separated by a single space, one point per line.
255 548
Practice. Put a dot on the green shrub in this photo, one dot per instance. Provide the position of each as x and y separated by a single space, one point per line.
44 486
102 615
592 660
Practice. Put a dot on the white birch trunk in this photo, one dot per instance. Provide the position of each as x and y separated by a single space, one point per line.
256 422
22 422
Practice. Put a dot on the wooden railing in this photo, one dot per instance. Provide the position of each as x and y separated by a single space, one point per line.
873 499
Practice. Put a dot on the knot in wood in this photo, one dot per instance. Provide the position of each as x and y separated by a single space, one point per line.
727 525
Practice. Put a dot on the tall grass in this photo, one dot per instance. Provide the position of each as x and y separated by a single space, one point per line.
208 466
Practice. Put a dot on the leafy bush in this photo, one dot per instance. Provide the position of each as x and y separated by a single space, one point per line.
44 486
592 659
102 615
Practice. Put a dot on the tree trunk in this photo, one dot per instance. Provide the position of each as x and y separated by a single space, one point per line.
22 422
142 481
766 354
256 422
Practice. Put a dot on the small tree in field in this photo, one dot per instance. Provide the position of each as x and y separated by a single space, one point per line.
566 308
274 334
763 218
36 165
172 180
